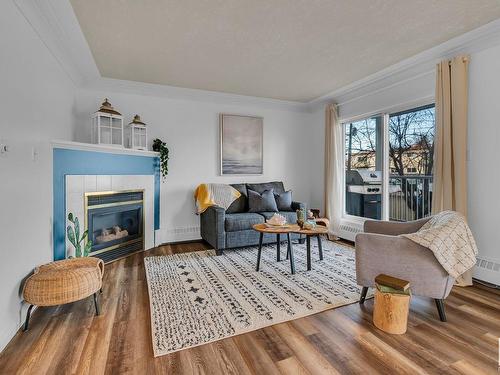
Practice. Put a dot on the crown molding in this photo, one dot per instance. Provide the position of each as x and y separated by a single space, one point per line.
420 64
57 26
180 93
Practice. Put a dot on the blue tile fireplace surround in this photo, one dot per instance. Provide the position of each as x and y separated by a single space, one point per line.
69 161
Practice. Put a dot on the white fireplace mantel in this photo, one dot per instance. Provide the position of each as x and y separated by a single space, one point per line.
100 148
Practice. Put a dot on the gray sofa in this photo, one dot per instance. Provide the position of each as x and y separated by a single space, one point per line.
380 249
231 228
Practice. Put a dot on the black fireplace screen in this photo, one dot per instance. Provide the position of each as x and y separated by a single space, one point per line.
115 223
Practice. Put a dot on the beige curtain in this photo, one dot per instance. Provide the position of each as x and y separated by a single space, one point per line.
333 168
450 145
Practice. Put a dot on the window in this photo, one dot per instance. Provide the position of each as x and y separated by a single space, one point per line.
411 151
402 142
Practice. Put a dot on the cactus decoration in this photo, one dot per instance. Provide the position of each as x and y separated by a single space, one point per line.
301 216
73 232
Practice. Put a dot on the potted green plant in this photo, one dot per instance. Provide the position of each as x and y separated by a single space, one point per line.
161 147
73 231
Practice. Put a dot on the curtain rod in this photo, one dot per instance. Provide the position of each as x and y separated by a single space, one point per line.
464 59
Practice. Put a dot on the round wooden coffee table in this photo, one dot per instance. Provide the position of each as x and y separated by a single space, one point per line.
287 229
314 232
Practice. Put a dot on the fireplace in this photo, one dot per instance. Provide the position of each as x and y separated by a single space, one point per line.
115 223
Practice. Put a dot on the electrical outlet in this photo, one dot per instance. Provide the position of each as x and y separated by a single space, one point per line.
4 148
34 154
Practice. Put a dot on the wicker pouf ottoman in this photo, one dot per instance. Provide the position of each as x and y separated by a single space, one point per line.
63 282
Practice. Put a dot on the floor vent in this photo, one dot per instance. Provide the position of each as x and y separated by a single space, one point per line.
185 230
177 234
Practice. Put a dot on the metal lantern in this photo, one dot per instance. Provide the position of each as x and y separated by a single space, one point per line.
107 126
138 134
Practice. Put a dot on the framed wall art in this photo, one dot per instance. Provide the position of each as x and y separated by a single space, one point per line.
241 145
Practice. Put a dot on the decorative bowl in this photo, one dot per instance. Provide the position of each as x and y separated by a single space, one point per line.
277 220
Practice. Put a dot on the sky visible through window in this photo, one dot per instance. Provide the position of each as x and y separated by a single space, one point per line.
411 142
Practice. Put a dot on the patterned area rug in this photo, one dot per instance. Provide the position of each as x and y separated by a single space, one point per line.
196 298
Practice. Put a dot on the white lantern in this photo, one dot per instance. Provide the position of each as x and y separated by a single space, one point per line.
107 126
138 134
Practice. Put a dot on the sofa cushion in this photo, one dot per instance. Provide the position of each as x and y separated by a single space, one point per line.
284 200
261 202
242 221
291 216
240 204
277 186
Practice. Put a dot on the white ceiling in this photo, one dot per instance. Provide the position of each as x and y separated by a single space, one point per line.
284 49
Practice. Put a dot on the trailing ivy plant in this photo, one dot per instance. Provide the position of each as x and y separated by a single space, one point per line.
75 239
161 147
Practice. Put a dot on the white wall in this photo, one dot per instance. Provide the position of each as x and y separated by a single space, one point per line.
36 102
191 130
484 156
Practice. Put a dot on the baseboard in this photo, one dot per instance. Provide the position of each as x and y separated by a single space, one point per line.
197 240
8 334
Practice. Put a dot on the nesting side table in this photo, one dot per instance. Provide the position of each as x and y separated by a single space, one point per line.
278 231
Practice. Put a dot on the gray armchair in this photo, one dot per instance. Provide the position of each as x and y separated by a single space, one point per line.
380 249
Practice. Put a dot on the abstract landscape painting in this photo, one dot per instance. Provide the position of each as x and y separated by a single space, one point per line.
241 144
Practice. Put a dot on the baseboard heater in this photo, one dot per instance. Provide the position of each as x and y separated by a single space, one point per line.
348 230
487 270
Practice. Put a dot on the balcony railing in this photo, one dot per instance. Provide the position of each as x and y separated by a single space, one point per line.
410 197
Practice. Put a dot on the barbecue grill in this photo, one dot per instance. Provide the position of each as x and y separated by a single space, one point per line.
364 193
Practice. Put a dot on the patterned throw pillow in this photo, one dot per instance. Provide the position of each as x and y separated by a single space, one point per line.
284 201
264 202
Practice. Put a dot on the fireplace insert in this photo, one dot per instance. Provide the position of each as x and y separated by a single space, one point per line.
115 223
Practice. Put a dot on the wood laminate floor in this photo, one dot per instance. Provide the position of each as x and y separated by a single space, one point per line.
70 339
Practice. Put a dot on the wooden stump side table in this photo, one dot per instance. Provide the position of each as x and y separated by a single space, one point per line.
390 313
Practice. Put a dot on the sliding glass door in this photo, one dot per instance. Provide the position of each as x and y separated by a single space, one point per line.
388 165
364 163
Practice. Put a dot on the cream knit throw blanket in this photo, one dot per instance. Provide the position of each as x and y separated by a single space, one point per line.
449 237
